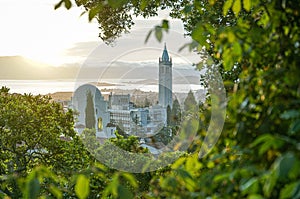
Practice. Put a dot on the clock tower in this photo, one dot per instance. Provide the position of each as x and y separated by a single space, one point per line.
165 80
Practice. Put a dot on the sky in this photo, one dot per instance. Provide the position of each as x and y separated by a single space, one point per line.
33 29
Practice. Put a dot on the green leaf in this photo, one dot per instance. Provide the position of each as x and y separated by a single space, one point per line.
55 191
193 164
255 196
237 50
221 177
165 25
93 12
290 114
236 7
83 13
112 188
191 46
198 35
124 193
82 187
294 127
130 178
58 4
33 188
116 3
212 2
227 59
179 162
184 46
290 190
270 183
168 182
231 37
284 164
227 6
68 4
187 9
251 186
262 138
143 4
247 5
295 172
158 33
264 19
267 142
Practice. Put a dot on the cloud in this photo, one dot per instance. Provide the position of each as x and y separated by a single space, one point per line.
132 47
82 48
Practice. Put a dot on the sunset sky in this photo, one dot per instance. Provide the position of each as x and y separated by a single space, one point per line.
33 29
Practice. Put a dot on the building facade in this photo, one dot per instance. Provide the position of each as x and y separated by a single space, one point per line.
79 103
119 111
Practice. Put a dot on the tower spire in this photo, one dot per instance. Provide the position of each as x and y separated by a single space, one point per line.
165 55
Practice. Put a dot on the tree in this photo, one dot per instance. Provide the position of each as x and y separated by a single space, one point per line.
250 38
190 103
176 113
113 17
255 47
36 131
90 121
89 139
147 103
169 115
116 17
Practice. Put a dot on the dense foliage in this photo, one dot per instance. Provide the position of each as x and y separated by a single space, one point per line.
36 131
255 45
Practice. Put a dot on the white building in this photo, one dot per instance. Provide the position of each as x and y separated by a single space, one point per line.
79 102
118 110
119 102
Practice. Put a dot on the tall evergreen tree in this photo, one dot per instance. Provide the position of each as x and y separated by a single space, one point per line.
175 113
90 120
168 115
190 103
147 103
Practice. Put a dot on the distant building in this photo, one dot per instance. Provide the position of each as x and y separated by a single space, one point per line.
119 102
133 121
119 111
165 80
79 102
110 130
140 116
158 118
121 118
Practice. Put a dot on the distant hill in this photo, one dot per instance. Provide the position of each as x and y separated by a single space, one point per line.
19 68
61 96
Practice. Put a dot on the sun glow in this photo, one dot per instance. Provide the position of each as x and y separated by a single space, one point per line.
33 29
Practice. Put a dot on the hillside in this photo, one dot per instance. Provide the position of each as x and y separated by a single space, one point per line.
19 68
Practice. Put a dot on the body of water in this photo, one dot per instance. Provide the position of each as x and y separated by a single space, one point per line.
43 87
